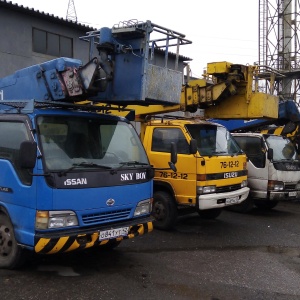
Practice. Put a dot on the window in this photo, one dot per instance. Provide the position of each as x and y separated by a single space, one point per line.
213 140
282 147
51 43
163 137
12 134
88 142
66 47
254 149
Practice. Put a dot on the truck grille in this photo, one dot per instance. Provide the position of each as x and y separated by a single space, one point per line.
290 186
228 188
106 216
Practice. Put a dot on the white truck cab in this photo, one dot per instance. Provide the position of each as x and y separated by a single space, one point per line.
273 169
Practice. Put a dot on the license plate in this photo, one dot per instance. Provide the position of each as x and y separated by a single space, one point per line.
113 233
292 194
232 200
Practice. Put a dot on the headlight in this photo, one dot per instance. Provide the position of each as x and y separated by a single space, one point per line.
144 207
55 219
297 186
206 189
244 183
274 185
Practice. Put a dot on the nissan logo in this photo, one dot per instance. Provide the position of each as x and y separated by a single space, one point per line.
110 202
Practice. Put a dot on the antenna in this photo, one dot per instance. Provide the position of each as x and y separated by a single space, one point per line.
71 12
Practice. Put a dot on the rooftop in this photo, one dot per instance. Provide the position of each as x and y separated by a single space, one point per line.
41 14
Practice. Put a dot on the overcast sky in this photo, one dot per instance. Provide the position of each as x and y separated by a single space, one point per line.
220 30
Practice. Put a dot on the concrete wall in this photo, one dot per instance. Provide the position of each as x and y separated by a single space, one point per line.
16 38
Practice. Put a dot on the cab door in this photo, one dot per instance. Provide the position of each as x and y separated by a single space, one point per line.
183 181
17 185
257 165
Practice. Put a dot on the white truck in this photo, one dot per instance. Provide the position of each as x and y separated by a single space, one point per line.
273 170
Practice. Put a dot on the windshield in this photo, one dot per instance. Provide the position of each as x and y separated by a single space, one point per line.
69 142
213 140
282 147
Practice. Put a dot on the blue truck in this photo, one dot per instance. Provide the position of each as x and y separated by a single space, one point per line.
73 175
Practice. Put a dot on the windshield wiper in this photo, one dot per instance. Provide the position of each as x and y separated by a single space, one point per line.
131 163
284 160
85 165
237 153
214 153
219 152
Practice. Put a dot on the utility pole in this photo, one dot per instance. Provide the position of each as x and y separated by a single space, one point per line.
71 12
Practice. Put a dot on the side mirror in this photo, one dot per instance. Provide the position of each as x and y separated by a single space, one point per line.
173 157
270 153
193 146
289 128
151 173
173 153
27 154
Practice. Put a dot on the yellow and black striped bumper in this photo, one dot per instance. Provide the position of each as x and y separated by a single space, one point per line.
67 243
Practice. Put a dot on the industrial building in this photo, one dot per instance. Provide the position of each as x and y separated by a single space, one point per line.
30 37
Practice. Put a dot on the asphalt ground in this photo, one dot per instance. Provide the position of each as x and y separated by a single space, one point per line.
236 256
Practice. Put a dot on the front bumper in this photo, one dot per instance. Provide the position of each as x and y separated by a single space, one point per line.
70 240
275 196
219 200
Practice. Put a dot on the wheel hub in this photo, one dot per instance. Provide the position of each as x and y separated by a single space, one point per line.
159 211
5 241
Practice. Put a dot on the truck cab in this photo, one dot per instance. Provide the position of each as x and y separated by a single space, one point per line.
273 169
211 168
69 179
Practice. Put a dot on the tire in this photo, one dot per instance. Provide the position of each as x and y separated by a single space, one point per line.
12 255
210 214
265 204
244 207
164 210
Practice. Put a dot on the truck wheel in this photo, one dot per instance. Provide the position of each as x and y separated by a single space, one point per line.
209 214
265 204
244 207
11 254
164 211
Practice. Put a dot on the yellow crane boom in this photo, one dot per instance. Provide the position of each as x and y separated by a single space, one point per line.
227 91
